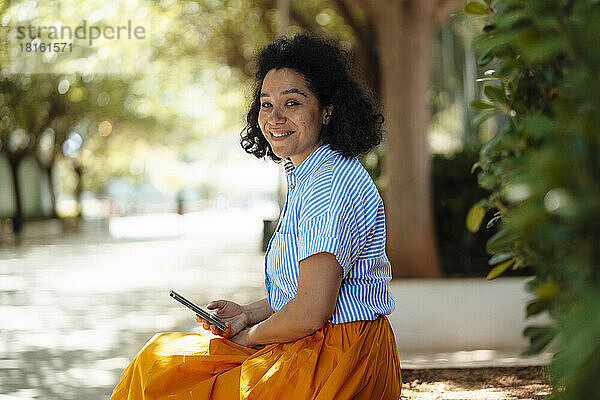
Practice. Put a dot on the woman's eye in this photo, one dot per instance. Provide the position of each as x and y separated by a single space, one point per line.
265 105
292 103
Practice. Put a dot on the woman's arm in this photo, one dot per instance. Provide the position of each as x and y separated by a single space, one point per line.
258 311
319 281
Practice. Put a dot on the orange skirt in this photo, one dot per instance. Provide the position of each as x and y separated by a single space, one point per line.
354 360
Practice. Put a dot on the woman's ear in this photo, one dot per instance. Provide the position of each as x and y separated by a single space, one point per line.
327 111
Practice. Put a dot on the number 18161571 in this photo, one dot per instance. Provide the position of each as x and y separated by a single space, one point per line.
46 47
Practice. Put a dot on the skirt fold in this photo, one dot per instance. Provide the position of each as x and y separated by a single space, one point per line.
355 360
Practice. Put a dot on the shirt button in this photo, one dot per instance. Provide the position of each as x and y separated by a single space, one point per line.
291 186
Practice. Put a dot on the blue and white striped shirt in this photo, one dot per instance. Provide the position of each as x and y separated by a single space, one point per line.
332 206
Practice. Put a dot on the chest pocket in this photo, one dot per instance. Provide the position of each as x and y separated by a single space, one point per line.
282 263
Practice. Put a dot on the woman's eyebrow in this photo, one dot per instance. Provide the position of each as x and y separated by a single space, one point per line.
294 90
288 91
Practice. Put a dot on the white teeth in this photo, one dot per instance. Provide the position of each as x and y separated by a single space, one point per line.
282 134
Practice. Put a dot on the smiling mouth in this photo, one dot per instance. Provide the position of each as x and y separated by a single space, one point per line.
281 134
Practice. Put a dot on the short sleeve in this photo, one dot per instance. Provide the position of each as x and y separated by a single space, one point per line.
329 232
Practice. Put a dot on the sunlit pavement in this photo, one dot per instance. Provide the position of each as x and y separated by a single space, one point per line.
74 309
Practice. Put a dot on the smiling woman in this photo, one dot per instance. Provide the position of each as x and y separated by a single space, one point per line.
322 332
352 125
290 117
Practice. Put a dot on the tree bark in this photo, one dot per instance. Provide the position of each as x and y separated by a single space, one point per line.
405 30
79 187
49 169
18 217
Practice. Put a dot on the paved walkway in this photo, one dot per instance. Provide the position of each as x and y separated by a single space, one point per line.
75 308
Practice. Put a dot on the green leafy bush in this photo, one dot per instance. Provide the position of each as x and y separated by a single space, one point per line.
454 191
542 171
462 253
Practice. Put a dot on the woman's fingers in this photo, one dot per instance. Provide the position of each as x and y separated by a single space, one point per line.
227 332
205 324
216 304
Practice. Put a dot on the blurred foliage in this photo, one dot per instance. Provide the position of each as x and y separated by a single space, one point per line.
52 117
454 191
462 253
194 82
542 171
453 74
52 109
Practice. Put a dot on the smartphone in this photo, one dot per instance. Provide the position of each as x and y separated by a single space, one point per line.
202 313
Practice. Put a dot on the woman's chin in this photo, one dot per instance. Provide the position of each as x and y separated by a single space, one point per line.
280 152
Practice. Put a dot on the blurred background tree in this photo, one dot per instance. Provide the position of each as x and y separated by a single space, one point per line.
541 171
189 94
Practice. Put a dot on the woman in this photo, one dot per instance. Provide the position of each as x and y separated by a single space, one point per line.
322 332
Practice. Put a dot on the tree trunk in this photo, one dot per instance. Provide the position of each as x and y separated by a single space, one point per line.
405 31
18 217
49 169
79 188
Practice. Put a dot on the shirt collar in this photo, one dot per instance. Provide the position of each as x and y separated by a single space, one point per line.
310 163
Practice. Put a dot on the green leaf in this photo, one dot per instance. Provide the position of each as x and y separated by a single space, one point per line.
475 216
531 332
536 307
539 46
495 93
502 240
487 181
531 284
474 167
491 145
538 125
482 105
539 337
547 291
476 8
497 270
518 264
492 221
485 58
484 116
498 258
487 79
513 17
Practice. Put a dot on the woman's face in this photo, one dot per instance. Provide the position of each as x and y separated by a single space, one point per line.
290 116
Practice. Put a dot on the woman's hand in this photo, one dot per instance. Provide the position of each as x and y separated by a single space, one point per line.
231 314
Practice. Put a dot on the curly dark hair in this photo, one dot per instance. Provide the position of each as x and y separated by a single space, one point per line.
355 126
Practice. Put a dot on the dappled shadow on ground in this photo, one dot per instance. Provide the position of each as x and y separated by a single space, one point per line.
75 310
476 383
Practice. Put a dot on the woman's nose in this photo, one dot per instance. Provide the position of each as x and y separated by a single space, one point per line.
276 116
